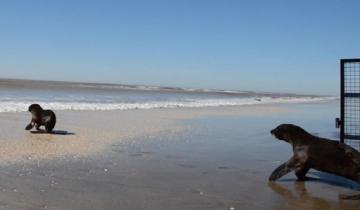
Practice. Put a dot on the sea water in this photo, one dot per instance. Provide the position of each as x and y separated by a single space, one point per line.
17 95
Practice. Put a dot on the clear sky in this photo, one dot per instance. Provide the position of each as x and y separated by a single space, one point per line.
283 46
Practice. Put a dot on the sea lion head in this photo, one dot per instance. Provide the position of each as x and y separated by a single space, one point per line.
287 132
35 109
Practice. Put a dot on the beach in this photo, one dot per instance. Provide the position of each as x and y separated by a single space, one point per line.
179 105
185 158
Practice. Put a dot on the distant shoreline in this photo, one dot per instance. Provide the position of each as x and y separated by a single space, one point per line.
17 95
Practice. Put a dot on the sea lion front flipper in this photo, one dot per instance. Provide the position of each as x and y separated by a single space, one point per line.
301 173
283 169
30 126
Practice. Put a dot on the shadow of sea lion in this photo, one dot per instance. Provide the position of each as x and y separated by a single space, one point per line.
54 132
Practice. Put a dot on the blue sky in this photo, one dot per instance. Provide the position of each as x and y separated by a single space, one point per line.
282 46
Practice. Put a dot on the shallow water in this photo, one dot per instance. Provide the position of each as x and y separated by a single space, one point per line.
17 95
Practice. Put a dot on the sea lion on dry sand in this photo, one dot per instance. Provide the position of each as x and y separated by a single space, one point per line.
317 153
41 117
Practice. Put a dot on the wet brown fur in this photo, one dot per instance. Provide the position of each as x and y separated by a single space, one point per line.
41 117
317 153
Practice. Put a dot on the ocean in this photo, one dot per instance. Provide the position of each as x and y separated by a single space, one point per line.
17 95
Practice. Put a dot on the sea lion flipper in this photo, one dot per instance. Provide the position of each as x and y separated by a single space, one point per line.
301 173
282 170
29 126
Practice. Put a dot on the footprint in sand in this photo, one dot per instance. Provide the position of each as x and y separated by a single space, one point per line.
224 167
187 166
118 150
136 155
140 154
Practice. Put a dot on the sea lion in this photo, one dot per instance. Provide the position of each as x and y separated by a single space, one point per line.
41 117
317 153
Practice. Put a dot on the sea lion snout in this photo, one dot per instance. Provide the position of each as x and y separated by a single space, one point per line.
275 133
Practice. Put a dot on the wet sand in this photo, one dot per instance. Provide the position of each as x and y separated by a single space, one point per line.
83 133
213 158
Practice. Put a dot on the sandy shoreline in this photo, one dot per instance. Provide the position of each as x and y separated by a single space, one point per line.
212 158
90 132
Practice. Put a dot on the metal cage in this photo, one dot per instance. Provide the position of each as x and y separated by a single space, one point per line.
349 122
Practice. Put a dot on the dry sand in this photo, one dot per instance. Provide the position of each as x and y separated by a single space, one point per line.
213 158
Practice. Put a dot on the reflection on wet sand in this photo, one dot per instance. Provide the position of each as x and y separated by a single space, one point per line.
299 198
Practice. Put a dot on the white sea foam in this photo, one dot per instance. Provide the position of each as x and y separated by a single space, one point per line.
20 106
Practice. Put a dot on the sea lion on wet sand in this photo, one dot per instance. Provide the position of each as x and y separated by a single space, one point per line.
317 153
41 117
